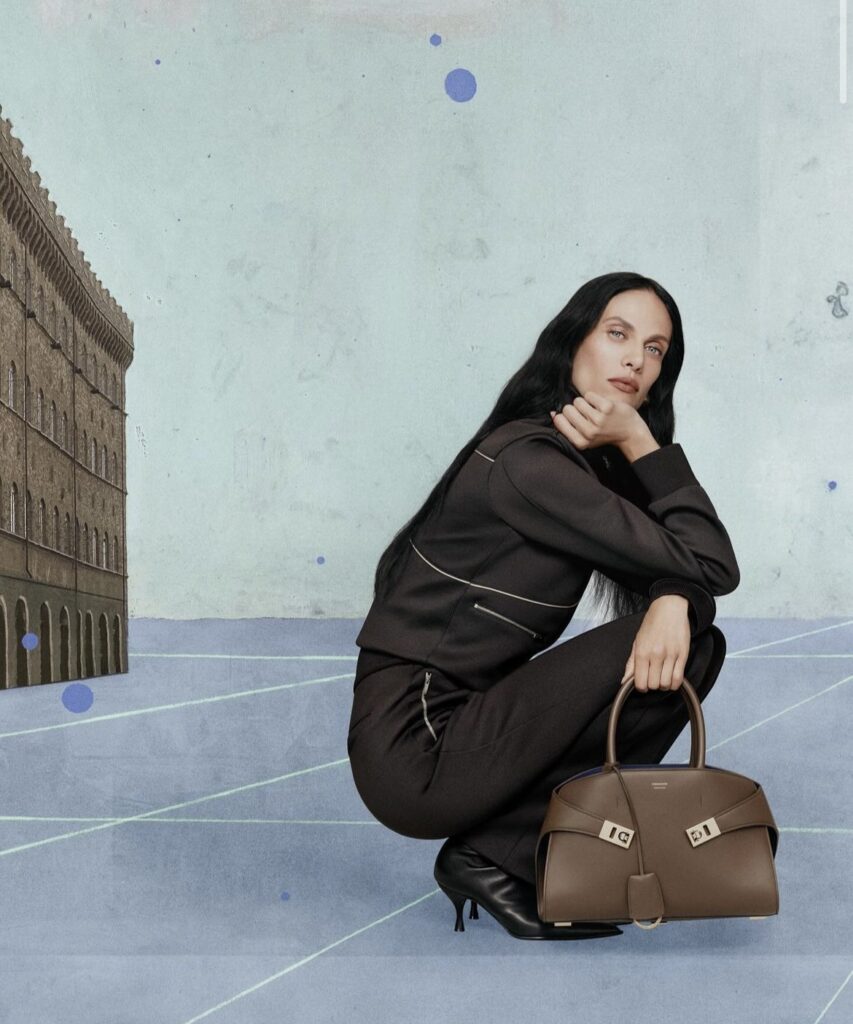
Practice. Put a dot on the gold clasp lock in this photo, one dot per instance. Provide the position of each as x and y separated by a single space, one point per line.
702 832
619 835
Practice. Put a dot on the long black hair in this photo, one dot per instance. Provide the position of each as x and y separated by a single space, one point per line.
543 382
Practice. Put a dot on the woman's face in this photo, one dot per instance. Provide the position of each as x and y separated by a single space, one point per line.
630 340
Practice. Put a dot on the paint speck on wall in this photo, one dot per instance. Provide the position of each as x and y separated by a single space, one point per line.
460 85
77 697
831 485
321 560
30 641
435 39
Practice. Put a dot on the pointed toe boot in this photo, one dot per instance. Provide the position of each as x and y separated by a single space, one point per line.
463 873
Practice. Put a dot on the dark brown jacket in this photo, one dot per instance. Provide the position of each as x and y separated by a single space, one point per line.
495 577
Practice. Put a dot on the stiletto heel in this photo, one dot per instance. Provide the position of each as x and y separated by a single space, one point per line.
473 912
458 901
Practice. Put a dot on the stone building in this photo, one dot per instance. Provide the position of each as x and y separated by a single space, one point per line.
65 346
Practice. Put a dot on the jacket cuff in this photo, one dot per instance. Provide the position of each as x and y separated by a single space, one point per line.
664 470
702 607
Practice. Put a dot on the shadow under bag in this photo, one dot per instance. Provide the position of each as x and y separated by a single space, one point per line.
661 842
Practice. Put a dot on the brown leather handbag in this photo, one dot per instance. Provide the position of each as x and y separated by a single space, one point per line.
657 842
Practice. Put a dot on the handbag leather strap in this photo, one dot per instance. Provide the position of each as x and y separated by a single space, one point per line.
563 816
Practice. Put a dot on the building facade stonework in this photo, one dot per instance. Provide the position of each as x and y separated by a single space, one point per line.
65 347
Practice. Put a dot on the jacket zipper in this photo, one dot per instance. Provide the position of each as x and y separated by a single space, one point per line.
423 701
512 622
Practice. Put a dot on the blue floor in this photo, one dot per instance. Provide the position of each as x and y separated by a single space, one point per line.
193 848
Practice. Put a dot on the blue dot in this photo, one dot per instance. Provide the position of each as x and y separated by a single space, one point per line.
460 85
285 895
30 641
435 39
321 560
832 485
157 61
77 697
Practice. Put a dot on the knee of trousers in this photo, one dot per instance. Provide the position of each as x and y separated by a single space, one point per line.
707 654
402 803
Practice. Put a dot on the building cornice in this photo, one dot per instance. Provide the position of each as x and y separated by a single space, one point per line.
50 241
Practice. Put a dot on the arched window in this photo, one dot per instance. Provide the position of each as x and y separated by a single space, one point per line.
12 385
40 410
28 517
94 456
104 463
13 509
115 469
64 332
64 438
105 551
95 371
115 554
53 319
85 542
57 540
85 452
13 270
42 523
96 551
53 420
67 547
115 389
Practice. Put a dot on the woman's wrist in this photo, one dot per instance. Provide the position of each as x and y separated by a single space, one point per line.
638 443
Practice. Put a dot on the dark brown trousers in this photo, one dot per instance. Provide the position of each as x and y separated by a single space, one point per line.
482 765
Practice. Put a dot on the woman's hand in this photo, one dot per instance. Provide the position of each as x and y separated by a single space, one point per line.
593 420
661 646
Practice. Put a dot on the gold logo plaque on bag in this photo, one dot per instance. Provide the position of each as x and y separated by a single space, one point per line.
619 835
701 833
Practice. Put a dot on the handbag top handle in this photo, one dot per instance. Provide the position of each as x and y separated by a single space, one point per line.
697 724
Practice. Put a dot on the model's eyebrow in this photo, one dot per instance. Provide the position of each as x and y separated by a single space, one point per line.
654 337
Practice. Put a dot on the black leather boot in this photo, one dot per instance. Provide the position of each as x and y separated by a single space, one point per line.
463 873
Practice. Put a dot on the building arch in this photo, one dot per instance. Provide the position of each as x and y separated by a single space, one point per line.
4 646
89 655
64 644
118 645
80 672
104 644
22 655
46 645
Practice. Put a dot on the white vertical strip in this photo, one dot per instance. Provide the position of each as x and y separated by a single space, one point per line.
842 51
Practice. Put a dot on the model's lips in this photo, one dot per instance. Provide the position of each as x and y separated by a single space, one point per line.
623 386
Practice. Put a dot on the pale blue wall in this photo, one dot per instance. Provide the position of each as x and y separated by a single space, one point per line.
333 267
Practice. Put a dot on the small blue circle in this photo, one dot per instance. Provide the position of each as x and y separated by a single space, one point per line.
77 697
435 39
30 641
832 485
460 85
285 895
321 560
